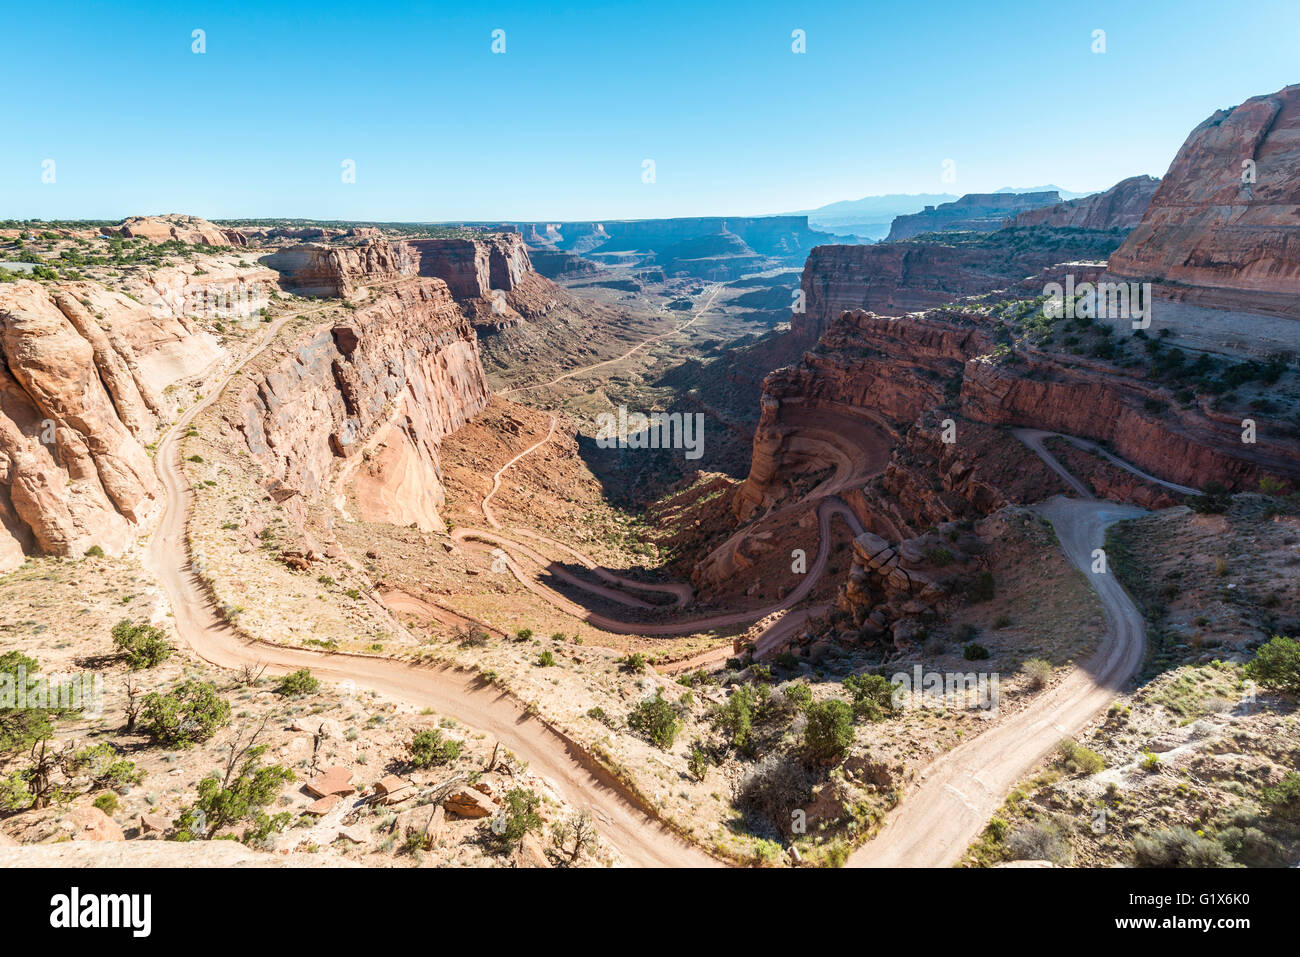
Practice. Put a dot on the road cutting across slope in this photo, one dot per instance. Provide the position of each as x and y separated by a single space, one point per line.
962 789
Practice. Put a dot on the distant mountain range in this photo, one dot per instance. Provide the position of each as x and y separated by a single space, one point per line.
870 217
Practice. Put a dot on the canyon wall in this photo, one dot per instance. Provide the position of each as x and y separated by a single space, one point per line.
893 279
977 212
1223 229
83 390
394 377
338 271
1120 207
910 374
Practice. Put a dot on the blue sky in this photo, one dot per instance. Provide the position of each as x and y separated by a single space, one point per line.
558 126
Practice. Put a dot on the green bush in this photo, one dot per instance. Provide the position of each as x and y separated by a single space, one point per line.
223 804
192 712
107 802
975 652
546 660
1179 847
428 748
656 719
1277 665
518 817
143 646
829 731
633 663
873 696
1077 759
734 718
1283 800
299 683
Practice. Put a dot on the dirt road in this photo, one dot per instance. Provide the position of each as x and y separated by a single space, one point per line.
638 836
962 789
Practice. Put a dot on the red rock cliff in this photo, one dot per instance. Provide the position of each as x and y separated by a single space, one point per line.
1223 230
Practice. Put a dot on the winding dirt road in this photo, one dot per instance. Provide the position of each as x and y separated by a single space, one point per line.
639 837
963 788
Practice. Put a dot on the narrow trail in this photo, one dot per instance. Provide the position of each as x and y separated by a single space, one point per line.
580 780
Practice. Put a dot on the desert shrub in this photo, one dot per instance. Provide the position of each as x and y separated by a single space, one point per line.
1251 847
769 794
222 804
190 713
1277 665
1077 759
518 817
1041 840
633 663
656 720
299 683
429 748
981 588
472 637
523 634
106 802
975 652
1179 847
1214 499
1283 800
734 718
1037 673
546 660
873 696
789 699
142 646
829 731
94 551
698 761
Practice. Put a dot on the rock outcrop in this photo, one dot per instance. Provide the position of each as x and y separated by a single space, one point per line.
1120 207
913 374
82 392
185 229
1223 229
338 271
395 377
492 276
893 279
977 212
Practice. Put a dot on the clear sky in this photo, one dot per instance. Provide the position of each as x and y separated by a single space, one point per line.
558 126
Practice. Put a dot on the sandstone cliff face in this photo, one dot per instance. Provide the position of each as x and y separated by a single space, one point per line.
893 279
1222 234
1120 207
492 277
399 374
338 271
910 374
82 391
974 211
